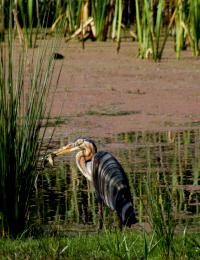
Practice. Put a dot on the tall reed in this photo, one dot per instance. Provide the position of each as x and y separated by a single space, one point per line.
181 28
119 19
194 25
2 29
100 12
27 21
73 10
22 109
148 30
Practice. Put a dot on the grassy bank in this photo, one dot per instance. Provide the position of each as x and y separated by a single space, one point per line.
106 245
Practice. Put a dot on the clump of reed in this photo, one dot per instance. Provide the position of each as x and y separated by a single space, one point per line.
23 107
151 23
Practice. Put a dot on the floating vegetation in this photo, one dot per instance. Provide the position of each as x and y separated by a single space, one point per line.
110 113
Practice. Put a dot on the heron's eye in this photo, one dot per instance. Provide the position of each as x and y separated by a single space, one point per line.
79 142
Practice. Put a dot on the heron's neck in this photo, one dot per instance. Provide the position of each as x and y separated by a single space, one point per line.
82 158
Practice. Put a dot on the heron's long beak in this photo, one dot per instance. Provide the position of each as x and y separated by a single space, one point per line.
65 149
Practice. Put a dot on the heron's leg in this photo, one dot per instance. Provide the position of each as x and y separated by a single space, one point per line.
119 223
100 207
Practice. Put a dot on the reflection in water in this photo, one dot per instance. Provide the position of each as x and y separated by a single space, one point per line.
169 161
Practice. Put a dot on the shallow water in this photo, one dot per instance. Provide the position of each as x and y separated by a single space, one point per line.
159 166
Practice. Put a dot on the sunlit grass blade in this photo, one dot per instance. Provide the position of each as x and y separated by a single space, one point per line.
2 23
140 19
120 11
30 19
158 28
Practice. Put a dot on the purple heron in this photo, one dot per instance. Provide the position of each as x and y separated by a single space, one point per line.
107 176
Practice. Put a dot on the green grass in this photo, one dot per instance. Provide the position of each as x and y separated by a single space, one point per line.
106 245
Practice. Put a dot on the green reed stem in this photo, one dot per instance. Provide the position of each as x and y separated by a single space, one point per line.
120 10
194 25
99 12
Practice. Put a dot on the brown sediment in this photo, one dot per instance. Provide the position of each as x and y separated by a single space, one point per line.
105 93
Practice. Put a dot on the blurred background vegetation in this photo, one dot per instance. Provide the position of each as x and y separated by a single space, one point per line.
149 22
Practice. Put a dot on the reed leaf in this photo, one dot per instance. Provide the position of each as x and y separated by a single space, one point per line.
73 11
194 25
141 51
99 12
120 11
149 33
30 13
2 23
143 20
181 29
158 28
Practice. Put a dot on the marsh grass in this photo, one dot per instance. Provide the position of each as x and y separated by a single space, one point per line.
162 219
166 241
106 245
161 199
23 107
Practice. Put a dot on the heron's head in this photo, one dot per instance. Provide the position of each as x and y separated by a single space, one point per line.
82 144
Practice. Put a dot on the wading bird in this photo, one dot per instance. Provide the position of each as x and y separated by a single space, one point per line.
107 176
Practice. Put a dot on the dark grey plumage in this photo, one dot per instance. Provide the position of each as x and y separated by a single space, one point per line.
112 187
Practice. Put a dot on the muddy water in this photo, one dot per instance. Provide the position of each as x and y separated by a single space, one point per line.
157 164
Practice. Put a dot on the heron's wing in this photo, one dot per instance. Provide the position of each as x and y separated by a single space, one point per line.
108 178
111 185
97 182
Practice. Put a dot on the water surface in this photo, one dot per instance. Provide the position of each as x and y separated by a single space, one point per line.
158 163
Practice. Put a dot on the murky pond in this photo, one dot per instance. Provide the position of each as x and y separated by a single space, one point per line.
165 162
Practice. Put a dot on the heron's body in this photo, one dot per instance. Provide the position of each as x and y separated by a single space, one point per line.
112 187
107 175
